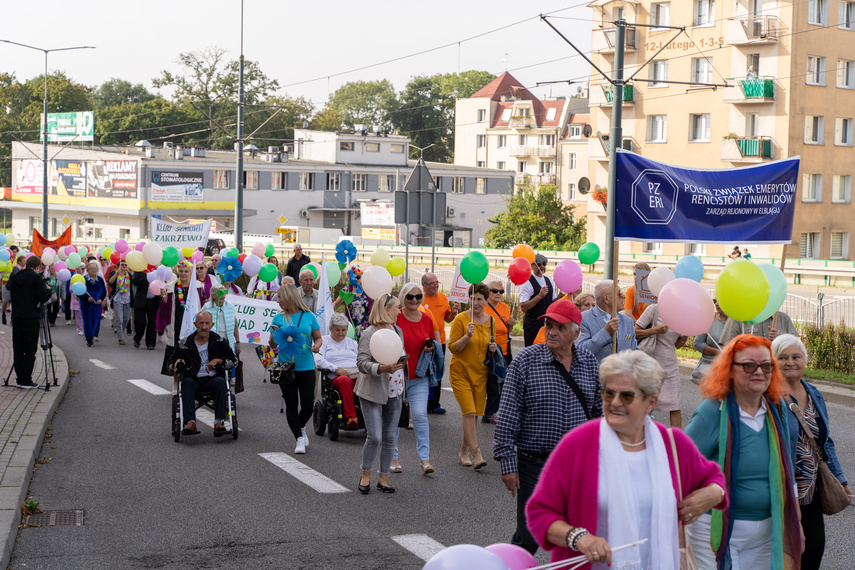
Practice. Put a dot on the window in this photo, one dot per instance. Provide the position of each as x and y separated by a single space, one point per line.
506 115
753 60
659 73
480 185
660 14
481 141
500 165
546 140
809 245
250 179
841 188
481 164
503 141
521 166
814 127
843 131
845 75
571 161
701 70
372 147
550 113
523 140
482 115
700 128
307 181
752 125
345 146
358 182
575 132
457 185
704 14
846 16
522 111
279 181
396 147
815 70
697 249
547 167
652 247
570 194
221 179
386 182
818 12
334 181
812 188
657 128
839 245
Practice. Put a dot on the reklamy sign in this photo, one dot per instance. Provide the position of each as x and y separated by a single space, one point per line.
171 186
69 127
658 202
179 235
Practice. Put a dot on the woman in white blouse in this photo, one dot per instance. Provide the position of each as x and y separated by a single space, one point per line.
337 358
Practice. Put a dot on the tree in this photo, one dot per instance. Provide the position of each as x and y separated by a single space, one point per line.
536 216
155 119
327 120
370 103
118 91
275 120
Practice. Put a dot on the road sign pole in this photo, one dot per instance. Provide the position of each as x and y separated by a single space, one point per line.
616 139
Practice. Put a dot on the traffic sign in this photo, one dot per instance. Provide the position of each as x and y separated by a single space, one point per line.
66 220
282 220
282 230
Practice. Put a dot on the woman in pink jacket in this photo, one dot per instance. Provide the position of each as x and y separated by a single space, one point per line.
612 481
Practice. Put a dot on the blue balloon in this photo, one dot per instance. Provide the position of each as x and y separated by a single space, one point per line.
465 557
2 239
689 267
5 255
79 289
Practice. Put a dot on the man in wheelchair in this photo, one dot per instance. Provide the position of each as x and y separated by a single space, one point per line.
199 364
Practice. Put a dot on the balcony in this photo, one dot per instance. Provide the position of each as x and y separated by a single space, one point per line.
627 144
751 91
544 151
605 100
746 149
606 42
744 30
521 122
521 151
545 178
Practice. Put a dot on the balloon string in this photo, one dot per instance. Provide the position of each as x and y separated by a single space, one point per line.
579 561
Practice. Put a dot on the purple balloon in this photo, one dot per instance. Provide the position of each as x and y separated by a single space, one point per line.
568 275
63 274
465 557
151 276
164 273
516 557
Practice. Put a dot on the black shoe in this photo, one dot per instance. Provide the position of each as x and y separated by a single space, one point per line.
385 488
29 385
364 489
136 344
4 317
149 348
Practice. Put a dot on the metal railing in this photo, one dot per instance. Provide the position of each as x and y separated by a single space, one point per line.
760 27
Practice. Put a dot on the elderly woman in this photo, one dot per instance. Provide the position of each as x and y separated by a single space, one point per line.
791 355
741 425
380 388
470 339
358 308
708 344
632 306
584 302
207 281
170 314
295 314
614 480
665 353
261 290
92 302
337 359
223 321
504 324
419 335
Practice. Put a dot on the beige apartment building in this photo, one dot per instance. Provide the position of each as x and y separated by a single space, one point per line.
791 70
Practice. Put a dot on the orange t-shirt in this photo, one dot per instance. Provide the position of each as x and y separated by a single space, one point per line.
630 299
432 319
438 307
501 331
541 336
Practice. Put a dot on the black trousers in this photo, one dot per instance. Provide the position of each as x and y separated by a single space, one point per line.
530 330
53 311
303 389
814 529
528 468
145 322
25 344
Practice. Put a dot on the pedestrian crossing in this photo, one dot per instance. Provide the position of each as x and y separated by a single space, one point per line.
149 387
421 545
101 364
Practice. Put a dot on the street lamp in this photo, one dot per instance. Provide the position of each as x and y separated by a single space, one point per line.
45 129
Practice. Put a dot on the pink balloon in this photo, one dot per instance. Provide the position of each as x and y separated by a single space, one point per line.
69 249
516 557
686 307
568 275
258 249
60 265
156 286
121 245
139 246
197 256
29 255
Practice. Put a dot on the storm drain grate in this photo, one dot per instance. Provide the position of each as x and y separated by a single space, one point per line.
56 518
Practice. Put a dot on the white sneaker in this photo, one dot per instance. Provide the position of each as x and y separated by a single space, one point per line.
301 446
305 437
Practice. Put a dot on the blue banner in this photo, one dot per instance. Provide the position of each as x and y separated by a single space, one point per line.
662 203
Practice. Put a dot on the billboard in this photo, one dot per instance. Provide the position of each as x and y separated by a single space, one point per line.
174 186
92 178
377 214
29 177
69 127
67 178
112 179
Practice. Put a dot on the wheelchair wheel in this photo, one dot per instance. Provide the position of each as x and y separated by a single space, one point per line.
319 417
333 429
234 428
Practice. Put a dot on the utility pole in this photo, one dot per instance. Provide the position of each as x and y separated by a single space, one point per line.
616 140
239 149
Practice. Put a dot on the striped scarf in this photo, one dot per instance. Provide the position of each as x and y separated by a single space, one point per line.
785 526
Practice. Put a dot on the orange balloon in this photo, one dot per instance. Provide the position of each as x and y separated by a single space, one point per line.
524 250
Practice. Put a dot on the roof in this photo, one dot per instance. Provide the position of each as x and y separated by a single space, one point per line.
504 85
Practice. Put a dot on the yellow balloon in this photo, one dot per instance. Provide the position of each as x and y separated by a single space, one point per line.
136 261
742 290
10 239
380 257
77 278
187 251
396 266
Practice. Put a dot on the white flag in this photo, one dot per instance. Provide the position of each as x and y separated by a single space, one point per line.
191 307
325 306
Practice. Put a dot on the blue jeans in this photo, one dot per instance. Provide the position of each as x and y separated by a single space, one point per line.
417 395
381 423
122 311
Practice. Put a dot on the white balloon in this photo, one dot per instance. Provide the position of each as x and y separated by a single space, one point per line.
658 278
48 256
376 281
380 257
386 346
61 254
152 253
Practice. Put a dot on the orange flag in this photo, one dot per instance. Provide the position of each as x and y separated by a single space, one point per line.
40 243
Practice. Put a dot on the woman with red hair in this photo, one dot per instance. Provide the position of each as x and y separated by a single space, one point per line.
741 425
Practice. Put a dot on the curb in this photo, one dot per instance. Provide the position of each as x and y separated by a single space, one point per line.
19 469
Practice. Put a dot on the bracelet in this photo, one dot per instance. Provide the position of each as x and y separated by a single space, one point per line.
577 537
573 536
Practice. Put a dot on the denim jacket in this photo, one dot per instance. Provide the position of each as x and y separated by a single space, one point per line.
431 365
824 440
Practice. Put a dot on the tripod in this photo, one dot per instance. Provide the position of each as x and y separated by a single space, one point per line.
46 343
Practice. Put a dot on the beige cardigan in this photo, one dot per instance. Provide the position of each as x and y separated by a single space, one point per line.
371 384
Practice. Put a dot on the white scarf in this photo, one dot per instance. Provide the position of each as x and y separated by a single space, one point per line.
623 517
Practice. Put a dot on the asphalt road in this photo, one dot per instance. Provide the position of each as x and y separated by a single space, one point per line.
217 503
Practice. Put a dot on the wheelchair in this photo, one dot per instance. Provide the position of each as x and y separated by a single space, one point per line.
206 399
328 411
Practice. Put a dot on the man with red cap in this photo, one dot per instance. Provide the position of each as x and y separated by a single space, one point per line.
550 389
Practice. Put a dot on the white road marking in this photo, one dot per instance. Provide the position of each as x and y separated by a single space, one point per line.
450 389
304 473
101 364
149 387
421 545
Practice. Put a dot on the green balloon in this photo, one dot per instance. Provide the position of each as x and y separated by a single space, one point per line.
777 292
589 253
311 268
232 252
474 267
267 273
170 256
351 332
269 250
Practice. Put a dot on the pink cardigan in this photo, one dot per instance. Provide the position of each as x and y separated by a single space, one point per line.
567 487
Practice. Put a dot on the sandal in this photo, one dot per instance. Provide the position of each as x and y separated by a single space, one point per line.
396 469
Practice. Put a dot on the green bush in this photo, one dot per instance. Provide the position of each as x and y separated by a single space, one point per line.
830 348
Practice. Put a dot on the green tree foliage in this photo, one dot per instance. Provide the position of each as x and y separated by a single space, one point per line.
370 103
116 92
153 120
536 216
327 120
273 122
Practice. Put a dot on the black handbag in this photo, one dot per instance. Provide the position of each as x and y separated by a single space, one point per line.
283 373
404 420
493 379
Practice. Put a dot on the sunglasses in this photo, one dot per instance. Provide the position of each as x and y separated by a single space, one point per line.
541 265
417 297
626 397
751 367
499 291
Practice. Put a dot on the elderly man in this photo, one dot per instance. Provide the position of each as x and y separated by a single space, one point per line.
536 295
307 290
198 365
437 304
598 325
296 263
550 389
215 260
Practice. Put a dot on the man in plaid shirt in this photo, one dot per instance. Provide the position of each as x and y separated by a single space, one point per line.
550 389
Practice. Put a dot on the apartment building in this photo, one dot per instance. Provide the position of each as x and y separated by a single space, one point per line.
790 71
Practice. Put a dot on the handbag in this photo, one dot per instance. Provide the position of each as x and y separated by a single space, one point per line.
239 377
687 557
404 420
283 373
832 495
494 377
648 344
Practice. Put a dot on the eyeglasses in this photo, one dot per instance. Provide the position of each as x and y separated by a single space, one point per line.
432 283
499 291
751 367
541 265
626 397
417 297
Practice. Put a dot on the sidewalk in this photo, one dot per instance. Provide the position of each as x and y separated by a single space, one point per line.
24 418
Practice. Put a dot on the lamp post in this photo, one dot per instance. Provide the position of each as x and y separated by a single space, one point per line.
239 148
45 129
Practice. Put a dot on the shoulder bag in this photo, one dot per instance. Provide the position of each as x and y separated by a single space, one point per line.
832 495
648 344
283 372
493 379
508 353
687 557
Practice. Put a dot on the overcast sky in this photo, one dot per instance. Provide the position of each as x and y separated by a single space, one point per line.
296 42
